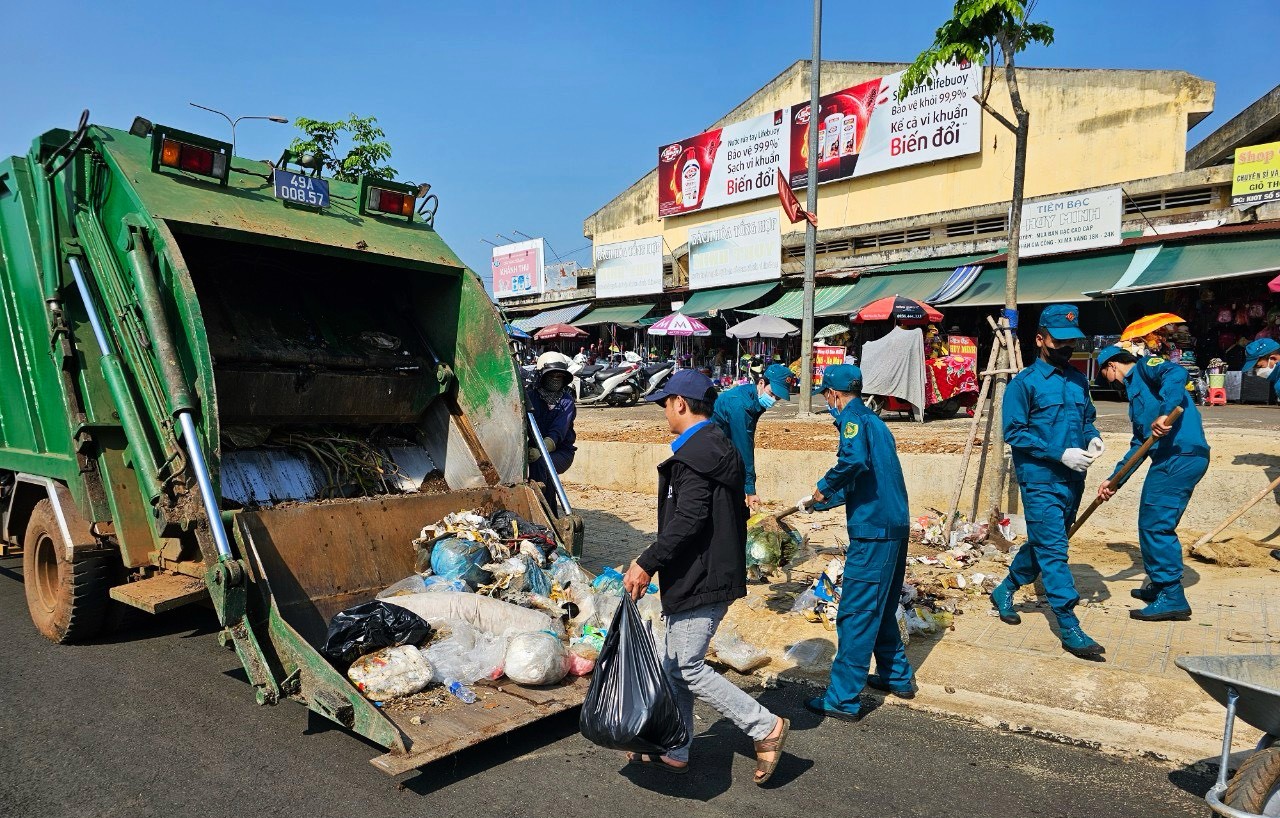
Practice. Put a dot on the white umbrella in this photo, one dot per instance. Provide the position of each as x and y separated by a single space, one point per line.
680 325
762 326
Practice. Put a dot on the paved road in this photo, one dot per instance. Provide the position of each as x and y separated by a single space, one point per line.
163 724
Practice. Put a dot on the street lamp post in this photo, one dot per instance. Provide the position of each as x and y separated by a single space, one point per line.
233 122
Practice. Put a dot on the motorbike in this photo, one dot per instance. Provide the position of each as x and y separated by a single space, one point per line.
609 385
655 375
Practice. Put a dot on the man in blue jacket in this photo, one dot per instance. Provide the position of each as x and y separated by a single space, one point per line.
1262 358
867 480
1180 457
1048 423
738 410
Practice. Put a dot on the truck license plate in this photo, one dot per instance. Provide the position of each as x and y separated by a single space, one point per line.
303 190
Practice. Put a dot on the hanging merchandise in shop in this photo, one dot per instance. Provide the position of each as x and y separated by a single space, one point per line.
628 268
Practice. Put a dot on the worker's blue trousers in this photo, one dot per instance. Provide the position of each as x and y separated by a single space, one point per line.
866 623
1165 496
1050 510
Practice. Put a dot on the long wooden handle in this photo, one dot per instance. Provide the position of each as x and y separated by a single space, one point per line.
1132 463
1253 501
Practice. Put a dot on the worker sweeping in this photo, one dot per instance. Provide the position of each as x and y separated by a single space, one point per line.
1048 423
1262 358
1179 458
739 409
867 480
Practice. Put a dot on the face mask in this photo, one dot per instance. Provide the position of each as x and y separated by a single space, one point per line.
1265 372
833 410
1060 357
766 400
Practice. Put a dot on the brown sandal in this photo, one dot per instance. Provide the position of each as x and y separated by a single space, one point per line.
771 745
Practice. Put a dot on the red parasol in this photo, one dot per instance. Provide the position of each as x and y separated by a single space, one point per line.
559 331
897 307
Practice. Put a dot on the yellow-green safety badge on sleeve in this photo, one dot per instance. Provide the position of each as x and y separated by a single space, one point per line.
850 430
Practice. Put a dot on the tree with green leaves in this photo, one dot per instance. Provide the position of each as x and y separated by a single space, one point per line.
991 33
367 150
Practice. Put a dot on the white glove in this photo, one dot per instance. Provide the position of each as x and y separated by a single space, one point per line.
1077 460
1096 447
805 503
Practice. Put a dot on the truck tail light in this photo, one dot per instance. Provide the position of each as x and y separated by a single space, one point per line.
193 159
381 200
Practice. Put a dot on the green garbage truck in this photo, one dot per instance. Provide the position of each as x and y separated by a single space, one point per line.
234 382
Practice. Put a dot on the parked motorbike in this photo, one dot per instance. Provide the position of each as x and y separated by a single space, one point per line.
608 385
655 375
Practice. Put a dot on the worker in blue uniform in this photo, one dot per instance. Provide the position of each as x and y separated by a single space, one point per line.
1262 358
739 409
1179 458
1048 423
551 401
867 480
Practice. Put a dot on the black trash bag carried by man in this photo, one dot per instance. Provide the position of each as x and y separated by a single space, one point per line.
630 705
369 627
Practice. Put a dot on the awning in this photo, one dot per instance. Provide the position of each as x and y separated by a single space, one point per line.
701 303
628 314
940 263
912 285
791 304
956 283
1183 265
559 315
1047 281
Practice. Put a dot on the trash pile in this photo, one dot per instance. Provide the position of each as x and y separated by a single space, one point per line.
491 596
771 544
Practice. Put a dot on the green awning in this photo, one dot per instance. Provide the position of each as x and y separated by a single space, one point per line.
1047 281
909 285
557 315
1208 260
702 302
940 263
628 314
791 304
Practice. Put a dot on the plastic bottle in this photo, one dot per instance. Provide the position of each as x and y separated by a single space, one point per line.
460 691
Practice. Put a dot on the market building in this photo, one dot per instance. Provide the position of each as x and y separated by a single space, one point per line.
1122 218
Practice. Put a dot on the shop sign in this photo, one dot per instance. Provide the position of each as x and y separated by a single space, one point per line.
628 267
563 275
1079 222
736 251
517 269
1255 176
823 357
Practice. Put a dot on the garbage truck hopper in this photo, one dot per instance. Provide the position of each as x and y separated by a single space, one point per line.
229 388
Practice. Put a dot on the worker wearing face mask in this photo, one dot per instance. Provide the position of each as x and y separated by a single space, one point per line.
1048 423
1179 459
1262 358
551 401
739 409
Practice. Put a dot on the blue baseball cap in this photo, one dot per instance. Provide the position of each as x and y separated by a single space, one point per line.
1062 321
1107 353
778 376
687 383
1258 349
840 377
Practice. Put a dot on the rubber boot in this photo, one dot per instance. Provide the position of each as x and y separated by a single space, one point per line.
1075 641
1170 604
875 681
1147 593
1002 599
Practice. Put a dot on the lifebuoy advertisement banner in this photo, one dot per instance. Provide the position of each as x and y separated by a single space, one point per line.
723 166
628 267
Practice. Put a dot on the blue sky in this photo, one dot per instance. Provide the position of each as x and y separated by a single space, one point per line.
530 116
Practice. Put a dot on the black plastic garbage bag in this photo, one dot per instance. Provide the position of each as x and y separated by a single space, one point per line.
369 627
630 704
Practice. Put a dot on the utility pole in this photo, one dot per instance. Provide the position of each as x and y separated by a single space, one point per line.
810 230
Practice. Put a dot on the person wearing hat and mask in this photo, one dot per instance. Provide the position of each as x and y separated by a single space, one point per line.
867 480
701 565
1262 358
1179 459
551 402
739 409
1049 425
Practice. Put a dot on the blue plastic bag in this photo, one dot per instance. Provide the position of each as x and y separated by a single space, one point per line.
456 558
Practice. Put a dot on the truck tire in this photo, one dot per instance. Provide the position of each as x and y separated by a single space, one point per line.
67 599
1255 787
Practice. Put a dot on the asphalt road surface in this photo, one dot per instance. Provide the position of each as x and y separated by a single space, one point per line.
160 722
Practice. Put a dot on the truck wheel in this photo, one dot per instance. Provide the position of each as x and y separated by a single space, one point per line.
67 598
1256 785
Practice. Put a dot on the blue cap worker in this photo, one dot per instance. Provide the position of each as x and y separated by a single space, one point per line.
1179 458
1048 423
1262 358
867 480
551 401
738 410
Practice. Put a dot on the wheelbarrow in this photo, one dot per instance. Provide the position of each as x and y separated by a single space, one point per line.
1249 687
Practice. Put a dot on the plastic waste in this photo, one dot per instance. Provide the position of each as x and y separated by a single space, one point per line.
606 608
650 608
734 651
481 612
630 705
536 659
582 658
903 631
764 543
466 654
418 584
608 582
371 626
456 558
460 691
390 672
807 652
807 601
569 575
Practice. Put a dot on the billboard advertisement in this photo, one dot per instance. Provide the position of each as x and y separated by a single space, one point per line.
863 130
736 251
628 267
1255 175
563 275
517 269
1079 222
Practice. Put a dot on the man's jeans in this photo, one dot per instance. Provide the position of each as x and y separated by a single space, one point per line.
688 637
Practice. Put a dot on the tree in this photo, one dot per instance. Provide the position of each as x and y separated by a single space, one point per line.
991 33
366 155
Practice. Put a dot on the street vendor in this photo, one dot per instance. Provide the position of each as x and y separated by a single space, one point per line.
867 480
1262 358
1179 459
1048 423
934 346
551 401
738 410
